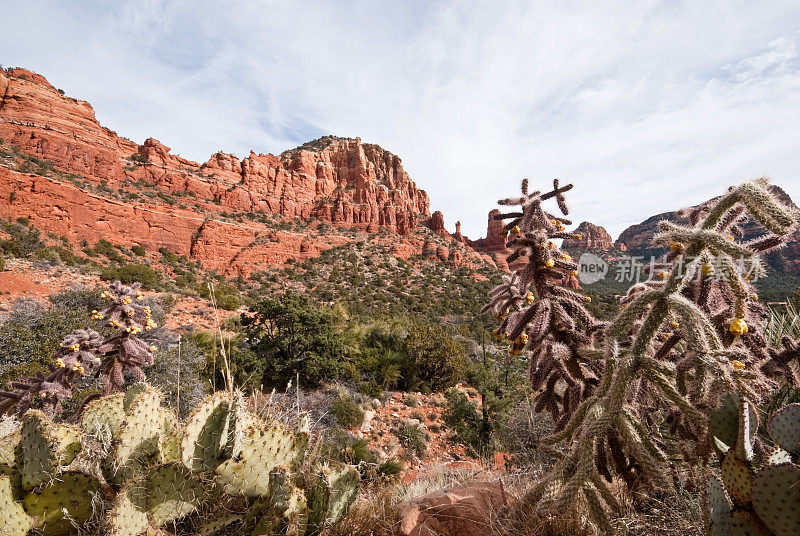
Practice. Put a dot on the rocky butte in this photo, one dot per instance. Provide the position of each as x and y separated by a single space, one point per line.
85 182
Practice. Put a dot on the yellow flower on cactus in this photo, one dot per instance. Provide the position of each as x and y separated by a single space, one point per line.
738 365
738 327
587 299
75 347
549 263
516 230
529 297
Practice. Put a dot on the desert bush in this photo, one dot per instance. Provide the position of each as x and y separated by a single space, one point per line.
462 416
293 336
438 362
23 240
347 411
138 250
132 273
412 437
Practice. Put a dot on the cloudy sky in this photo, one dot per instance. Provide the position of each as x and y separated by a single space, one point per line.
646 106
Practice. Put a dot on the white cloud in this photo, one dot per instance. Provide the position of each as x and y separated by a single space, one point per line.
646 106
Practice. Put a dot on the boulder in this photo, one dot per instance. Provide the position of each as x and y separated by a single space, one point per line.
465 510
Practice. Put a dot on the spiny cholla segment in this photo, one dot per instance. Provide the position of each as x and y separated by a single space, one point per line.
85 352
539 309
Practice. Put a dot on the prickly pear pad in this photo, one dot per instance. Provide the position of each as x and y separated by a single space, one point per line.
138 436
206 433
784 428
102 418
263 449
38 449
72 492
13 519
718 509
776 498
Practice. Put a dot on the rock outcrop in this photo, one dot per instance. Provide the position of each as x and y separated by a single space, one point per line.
466 510
592 237
337 180
83 181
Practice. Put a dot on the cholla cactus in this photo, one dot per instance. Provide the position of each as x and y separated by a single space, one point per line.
85 352
124 351
539 309
677 344
76 357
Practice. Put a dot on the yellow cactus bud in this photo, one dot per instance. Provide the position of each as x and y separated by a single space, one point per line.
153 348
549 263
554 222
587 299
738 327
663 275
738 365
577 236
529 297
676 246
60 363
707 269
676 325
516 230
75 347
522 339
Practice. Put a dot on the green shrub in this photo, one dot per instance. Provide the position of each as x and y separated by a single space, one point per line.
462 416
2 263
411 400
371 389
412 436
23 241
347 412
132 273
439 361
138 250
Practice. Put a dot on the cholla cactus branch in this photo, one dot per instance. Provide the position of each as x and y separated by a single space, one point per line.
677 344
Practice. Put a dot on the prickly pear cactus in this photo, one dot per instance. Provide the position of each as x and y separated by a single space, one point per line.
330 497
263 448
765 501
132 468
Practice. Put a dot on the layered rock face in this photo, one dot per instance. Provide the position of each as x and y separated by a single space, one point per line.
592 237
336 180
101 185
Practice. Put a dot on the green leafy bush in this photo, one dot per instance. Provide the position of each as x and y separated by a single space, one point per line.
347 411
132 273
293 336
462 416
138 250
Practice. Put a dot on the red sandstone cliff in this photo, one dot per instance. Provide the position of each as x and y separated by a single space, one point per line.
94 188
